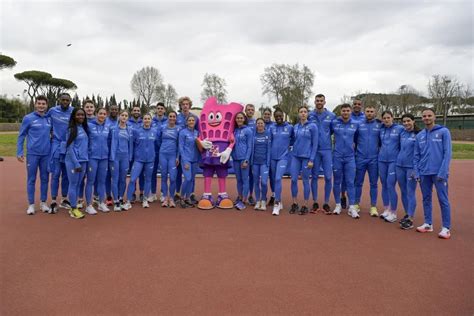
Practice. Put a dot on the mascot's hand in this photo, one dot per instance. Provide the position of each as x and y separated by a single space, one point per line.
225 155
206 144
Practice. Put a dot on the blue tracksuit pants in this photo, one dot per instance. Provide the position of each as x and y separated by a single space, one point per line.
260 179
388 178
427 183
141 178
300 165
251 182
154 179
324 160
168 169
407 183
179 178
370 166
96 174
344 169
242 176
58 170
139 168
33 163
75 179
189 177
277 170
118 169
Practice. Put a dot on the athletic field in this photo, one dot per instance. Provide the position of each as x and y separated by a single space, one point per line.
174 261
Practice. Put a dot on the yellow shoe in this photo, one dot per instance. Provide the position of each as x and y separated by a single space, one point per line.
373 212
76 214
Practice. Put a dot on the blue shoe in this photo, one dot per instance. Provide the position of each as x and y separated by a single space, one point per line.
240 206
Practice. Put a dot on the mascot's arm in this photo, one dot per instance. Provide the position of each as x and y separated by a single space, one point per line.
203 144
225 155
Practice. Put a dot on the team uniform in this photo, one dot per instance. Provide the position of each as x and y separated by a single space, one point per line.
304 151
260 165
344 162
431 162
251 123
168 144
157 123
389 149
189 154
323 155
110 122
241 153
36 129
119 162
281 138
136 124
367 151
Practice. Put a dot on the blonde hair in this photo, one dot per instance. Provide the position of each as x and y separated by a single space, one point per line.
182 99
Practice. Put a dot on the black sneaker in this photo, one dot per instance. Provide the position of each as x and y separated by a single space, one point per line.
177 198
183 204
251 200
142 197
134 198
315 208
303 210
54 208
294 208
404 218
189 203
406 224
271 202
344 202
193 200
327 209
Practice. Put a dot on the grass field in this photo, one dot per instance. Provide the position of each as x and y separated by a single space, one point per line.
8 147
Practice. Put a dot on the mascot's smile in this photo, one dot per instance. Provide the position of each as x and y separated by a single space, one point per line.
214 119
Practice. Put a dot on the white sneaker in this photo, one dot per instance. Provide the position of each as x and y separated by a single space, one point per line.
127 206
95 200
276 209
45 208
425 228
162 199
257 206
117 207
444 233
80 204
357 207
263 205
31 209
153 198
145 204
353 212
391 217
385 214
91 210
337 210
103 207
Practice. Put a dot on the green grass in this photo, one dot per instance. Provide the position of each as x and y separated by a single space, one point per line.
8 147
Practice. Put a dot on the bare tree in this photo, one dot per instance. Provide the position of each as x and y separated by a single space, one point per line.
169 97
213 86
443 90
146 84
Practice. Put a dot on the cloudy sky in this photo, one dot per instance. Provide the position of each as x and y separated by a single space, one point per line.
350 45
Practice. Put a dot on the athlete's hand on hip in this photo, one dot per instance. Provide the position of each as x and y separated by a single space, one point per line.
21 158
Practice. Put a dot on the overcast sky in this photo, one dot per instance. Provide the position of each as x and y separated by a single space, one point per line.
351 46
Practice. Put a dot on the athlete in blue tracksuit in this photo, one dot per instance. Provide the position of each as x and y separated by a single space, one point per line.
281 138
405 171
168 137
260 162
388 153
241 158
431 162
345 133
144 141
77 156
98 160
111 121
136 122
60 115
36 128
368 143
119 160
189 154
303 155
251 122
158 121
322 118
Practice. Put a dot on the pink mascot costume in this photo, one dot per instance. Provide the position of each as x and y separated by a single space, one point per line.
216 141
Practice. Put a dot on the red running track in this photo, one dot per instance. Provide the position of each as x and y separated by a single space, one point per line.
175 262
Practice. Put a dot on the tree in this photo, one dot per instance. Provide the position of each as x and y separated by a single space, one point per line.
274 80
6 62
443 90
53 88
11 110
213 86
146 84
169 97
34 79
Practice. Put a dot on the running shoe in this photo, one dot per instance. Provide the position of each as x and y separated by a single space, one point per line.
193 199
315 208
31 210
142 197
189 203
303 210
237 200
373 212
263 205
404 218
80 204
182 204
391 218
240 206
117 207
177 197
337 210
385 214
45 208
251 200
95 200
53 207
109 201
172 204
294 208
327 209
425 228
103 207
126 206
257 206
145 204
444 233
353 212
271 201
91 210
406 224
65 204
276 209
76 214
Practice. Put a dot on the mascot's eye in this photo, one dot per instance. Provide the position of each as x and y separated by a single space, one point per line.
211 116
218 116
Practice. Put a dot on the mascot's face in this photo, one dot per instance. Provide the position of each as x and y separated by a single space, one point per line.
217 120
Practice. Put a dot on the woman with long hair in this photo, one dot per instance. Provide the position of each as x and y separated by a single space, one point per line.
260 162
77 156
406 175
241 158
189 153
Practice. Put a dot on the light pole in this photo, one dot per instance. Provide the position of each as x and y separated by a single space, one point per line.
445 105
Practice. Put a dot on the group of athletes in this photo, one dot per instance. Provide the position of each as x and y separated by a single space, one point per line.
91 152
